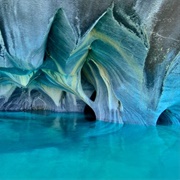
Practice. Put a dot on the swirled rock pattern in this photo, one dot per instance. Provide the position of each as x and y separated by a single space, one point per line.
54 55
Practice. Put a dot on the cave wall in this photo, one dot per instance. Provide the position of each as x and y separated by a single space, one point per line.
55 54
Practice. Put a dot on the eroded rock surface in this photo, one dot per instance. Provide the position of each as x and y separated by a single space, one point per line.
54 55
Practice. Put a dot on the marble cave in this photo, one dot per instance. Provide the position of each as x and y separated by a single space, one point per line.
121 59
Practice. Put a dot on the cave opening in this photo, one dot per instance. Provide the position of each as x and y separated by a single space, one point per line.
164 119
88 111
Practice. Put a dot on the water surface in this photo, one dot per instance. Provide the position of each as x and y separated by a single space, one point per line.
67 146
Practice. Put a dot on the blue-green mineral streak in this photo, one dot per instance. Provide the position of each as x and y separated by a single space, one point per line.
127 57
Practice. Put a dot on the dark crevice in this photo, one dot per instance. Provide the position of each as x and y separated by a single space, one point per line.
164 119
88 111
86 83
93 96
34 92
17 92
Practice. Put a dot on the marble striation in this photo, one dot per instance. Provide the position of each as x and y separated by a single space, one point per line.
54 55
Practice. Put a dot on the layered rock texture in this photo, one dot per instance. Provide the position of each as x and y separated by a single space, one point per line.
120 58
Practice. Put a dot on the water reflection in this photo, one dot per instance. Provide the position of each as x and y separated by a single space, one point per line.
36 130
87 150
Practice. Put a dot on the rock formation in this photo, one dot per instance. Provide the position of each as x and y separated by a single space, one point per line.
54 55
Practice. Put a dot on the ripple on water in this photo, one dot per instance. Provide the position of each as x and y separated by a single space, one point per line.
66 146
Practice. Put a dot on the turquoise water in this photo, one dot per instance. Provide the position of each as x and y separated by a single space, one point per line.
66 146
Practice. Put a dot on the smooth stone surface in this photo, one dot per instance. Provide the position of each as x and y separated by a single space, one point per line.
54 55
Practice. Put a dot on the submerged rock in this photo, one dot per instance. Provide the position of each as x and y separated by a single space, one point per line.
55 55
